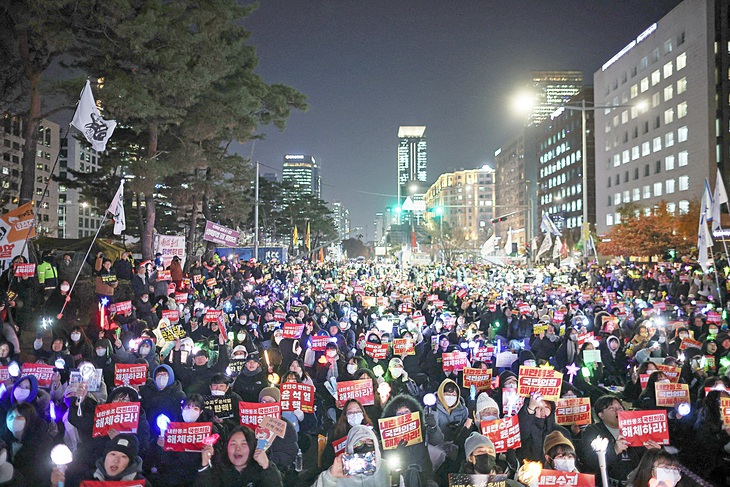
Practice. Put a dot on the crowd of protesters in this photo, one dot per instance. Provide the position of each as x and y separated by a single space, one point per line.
640 320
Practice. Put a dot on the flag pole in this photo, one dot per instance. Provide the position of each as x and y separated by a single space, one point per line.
717 280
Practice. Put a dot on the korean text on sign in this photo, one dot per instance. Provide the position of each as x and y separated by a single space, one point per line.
362 390
403 346
454 361
43 373
546 382
297 396
573 411
670 394
555 478
130 374
638 427
480 378
376 351
183 437
504 433
252 413
405 428
120 416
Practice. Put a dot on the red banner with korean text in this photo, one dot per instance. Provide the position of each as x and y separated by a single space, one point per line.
638 427
546 382
483 354
504 433
181 298
116 483
362 390
403 346
376 351
121 307
670 394
171 314
643 380
24 270
573 411
672 373
42 372
556 478
164 275
252 413
280 315
297 396
293 330
339 445
183 437
405 428
120 416
480 378
725 409
212 315
454 361
319 343
130 374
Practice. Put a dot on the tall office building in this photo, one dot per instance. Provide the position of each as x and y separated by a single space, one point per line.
412 164
77 218
551 89
302 172
341 219
669 128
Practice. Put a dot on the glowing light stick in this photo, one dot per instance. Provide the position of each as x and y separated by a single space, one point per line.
61 456
599 445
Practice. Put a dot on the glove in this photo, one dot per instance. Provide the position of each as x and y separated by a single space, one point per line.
430 420
299 414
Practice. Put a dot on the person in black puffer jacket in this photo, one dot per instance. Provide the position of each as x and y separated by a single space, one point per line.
162 394
251 380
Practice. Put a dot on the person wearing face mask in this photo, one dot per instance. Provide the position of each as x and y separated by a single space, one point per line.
251 380
223 401
545 345
481 458
196 378
360 439
452 417
146 351
329 365
567 351
559 453
613 360
79 346
103 359
526 358
658 468
161 394
140 282
353 414
146 310
398 379
28 443
353 365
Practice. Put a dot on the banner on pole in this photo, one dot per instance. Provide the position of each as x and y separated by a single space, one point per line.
219 234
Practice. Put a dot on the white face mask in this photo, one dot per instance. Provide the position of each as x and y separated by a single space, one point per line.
564 464
216 392
17 425
668 476
332 353
21 394
190 415
396 372
75 336
488 418
161 381
101 352
144 350
351 368
65 288
355 419
451 400
529 363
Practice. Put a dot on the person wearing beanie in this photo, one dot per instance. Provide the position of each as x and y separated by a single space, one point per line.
398 379
283 451
251 380
486 408
161 394
481 458
559 452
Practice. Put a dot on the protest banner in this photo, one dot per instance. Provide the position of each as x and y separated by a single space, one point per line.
591 356
170 331
570 411
479 378
477 480
164 275
170 246
504 433
672 373
222 406
557 478
538 329
362 390
319 343
120 416
403 346
116 483
585 337
24 270
172 315
219 234
212 315
454 361
690 342
15 226
608 323
369 301
670 394
714 317
4 374
121 307
295 395
439 304
280 315
558 317
376 351
339 445
405 428
211 282
644 380
182 437
483 354
42 372
546 382
181 298
293 330
638 427
328 286
725 409
523 308
130 374
275 425
358 290
251 413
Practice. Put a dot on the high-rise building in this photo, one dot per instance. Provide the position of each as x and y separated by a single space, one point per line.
302 172
380 227
551 89
77 217
464 199
560 178
412 164
341 218
669 128
49 136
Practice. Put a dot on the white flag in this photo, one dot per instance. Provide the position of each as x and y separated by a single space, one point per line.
508 245
547 225
87 119
557 248
719 198
706 202
117 210
547 242
488 246
704 240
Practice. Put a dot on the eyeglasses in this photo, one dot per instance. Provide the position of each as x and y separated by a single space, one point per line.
669 467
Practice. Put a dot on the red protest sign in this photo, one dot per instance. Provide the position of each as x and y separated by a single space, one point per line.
183 437
479 378
725 409
669 394
297 396
24 270
405 428
714 317
171 314
638 427
557 478
279 315
573 411
121 307
523 308
4 374
659 305
319 343
376 351
492 307
181 298
558 317
585 337
293 330
130 374
358 290
483 354
328 286
546 382
339 445
504 433
120 416
164 276
252 413
644 380
212 315
690 342
672 373
454 361
362 390
42 372
403 346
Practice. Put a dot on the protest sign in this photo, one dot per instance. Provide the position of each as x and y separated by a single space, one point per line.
477 480
403 346
212 315
339 445
120 416
170 331
558 317
164 275
479 378
405 428
591 356
557 478
295 395
293 330
24 270
690 342
643 380
130 374
585 337
319 343
538 329
454 361
376 351
546 382
505 359
573 411
504 433
369 301
219 234
42 372
92 380
181 298
483 354
362 390
638 427
222 406
116 483
172 315
725 409
252 413
121 307
279 315
182 437
672 373
275 425
669 394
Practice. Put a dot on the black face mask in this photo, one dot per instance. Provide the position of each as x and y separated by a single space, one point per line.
484 464
364 448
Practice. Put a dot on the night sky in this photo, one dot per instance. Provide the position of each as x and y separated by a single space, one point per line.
369 66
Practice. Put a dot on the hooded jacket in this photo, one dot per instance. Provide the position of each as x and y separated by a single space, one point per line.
450 419
379 479
156 401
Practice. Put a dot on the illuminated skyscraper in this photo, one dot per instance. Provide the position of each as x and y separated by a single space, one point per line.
551 89
412 163
302 172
